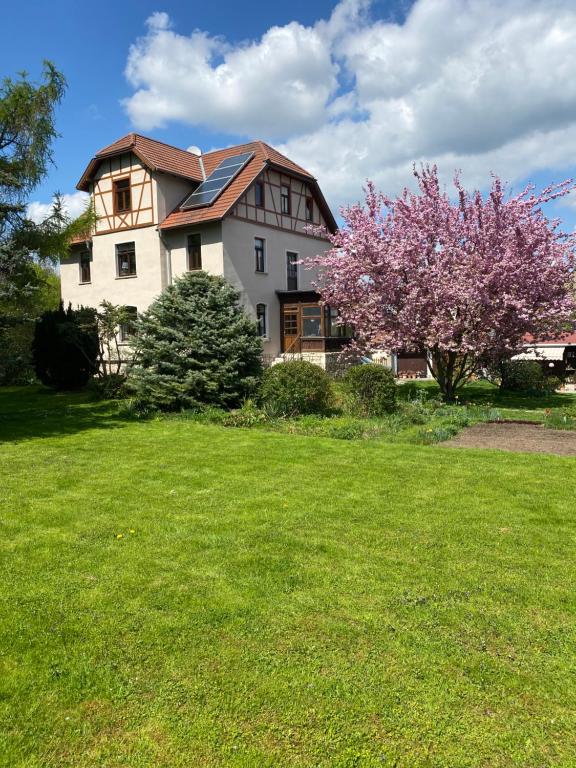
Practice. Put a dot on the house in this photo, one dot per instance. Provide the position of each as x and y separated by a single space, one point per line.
240 212
556 355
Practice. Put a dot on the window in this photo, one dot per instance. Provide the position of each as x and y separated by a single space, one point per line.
312 320
261 319
291 271
285 199
126 259
259 194
122 201
194 251
128 327
336 329
260 254
85 276
309 209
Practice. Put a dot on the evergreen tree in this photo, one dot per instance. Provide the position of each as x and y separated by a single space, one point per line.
195 346
65 348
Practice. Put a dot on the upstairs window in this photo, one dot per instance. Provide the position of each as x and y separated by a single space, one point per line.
126 259
261 319
85 275
259 194
122 198
309 209
291 271
285 199
194 252
260 254
128 327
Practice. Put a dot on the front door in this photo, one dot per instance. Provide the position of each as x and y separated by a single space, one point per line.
291 328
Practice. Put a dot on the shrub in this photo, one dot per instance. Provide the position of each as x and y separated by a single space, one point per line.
371 390
195 346
294 388
526 376
16 336
65 348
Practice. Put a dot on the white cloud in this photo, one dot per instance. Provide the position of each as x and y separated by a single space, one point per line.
481 85
74 204
277 85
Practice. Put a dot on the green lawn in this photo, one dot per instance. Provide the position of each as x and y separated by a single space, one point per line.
277 600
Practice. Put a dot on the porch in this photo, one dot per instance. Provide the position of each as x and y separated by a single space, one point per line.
306 326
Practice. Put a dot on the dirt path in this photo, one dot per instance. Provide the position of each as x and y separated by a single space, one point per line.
516 437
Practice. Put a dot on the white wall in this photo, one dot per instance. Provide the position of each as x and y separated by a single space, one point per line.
138 291
255 288
170 191
212 251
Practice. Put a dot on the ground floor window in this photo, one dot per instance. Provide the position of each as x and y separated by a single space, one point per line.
262 319
194 252
85 275
128 327
312 320
126 259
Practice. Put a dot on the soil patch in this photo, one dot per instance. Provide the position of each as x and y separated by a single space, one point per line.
516 437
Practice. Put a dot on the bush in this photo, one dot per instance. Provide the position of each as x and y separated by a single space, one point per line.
526 376
65 348
295 388
16 336
371 390
195 346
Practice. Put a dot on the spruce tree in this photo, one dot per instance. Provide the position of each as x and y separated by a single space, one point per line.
195 346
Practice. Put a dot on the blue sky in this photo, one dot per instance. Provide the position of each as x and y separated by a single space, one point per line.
350 90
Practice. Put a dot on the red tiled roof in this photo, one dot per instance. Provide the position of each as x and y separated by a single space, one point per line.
154 154
163 157
264 155
565 338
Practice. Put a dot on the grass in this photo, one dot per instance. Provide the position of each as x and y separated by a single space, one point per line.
179 594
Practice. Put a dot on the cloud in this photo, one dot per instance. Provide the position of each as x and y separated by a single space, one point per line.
276 86
479 85
74 204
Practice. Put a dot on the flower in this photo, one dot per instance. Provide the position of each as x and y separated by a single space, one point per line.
119 535
132 530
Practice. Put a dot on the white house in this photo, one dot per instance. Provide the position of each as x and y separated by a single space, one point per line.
239 212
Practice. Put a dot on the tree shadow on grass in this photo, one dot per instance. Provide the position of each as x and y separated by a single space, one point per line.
32 412
484 393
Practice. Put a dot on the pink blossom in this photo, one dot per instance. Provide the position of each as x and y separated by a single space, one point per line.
463 280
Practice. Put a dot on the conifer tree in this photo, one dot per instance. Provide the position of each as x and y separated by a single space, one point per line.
195 346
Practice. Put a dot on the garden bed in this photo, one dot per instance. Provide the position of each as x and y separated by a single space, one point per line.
514 436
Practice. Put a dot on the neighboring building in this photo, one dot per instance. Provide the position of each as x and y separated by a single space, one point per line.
557 356
239 212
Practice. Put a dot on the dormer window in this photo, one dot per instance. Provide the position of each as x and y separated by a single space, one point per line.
122 199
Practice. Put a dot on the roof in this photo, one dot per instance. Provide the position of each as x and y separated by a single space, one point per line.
154 154
564 340
264 156
168 159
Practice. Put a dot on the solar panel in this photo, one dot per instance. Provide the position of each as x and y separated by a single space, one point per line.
217 181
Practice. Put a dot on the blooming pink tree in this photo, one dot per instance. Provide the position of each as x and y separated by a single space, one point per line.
461 280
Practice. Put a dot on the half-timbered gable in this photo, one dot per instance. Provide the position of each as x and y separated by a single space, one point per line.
280 200
123 192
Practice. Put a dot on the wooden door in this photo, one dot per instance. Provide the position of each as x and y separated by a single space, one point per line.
290 328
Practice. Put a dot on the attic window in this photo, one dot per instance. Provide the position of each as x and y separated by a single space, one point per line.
122 201
285 199
259 194
309 209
